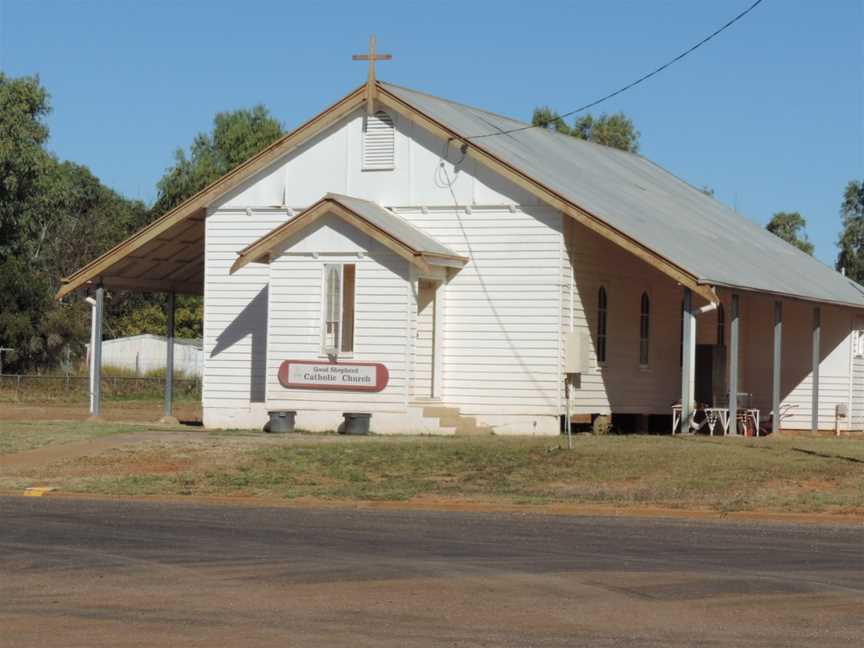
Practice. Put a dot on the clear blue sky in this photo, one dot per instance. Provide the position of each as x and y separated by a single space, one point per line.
769 114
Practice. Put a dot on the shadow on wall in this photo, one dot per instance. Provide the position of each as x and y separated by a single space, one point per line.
652 390
624 385
757 315
252 322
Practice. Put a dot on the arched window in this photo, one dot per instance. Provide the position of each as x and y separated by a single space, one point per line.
721 325
602 324
379 142
644 329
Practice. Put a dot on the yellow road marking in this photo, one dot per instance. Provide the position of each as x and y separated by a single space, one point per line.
38 491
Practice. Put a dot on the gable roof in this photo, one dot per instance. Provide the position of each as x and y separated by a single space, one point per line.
624 197
409 242
647 204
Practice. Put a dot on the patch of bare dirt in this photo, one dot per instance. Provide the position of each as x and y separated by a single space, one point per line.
804 485
131 464
132 411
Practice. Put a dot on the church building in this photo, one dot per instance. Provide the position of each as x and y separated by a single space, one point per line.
449 270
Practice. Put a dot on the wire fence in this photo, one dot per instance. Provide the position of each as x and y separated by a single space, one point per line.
19 388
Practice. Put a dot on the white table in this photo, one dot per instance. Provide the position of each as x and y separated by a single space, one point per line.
713 416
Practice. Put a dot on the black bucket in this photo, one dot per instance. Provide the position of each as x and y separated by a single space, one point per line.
281 421
356 423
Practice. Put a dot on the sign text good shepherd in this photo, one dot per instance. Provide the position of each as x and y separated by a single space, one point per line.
342 376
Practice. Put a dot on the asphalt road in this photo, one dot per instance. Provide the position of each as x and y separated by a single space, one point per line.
106 573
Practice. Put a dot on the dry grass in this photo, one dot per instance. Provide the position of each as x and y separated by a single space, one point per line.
21 436
13 414
773 474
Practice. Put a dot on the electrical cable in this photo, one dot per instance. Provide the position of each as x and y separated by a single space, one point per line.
632 84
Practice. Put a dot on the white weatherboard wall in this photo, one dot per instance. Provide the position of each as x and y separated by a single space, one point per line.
501 346
621 385
235 320
835 383
502 318
426 173
384 301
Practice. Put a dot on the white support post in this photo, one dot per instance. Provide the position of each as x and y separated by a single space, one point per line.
168 409
688 365
733 365
92 351
776 368
817 331
96 351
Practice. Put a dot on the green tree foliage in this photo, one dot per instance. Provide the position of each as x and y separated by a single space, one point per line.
851 243
236 136
151 317
23 107
54 217
789 226
617 130
545 117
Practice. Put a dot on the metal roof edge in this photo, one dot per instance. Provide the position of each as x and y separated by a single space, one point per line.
784 295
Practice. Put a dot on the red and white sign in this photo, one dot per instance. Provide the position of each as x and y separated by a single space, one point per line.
342 376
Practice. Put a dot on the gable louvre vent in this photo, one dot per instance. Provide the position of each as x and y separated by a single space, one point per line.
379 142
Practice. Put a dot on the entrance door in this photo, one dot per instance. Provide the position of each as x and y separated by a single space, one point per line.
424 344
710 387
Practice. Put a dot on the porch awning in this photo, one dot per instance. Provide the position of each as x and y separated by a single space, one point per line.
162 257
381 224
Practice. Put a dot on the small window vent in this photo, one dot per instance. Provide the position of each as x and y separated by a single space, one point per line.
379 142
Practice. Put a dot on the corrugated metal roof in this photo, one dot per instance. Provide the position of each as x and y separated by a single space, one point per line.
635 196
396 227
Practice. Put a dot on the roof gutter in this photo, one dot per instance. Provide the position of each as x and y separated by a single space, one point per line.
787 296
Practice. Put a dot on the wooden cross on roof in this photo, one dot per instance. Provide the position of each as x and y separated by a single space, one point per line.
372 56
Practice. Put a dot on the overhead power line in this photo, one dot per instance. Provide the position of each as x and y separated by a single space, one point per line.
633 84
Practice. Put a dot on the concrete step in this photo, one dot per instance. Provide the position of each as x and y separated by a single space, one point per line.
465 425
451 421
440 411
457 420
474 430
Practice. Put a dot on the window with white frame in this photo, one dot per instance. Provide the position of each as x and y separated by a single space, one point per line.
602 324
858 343
338 317
644 329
